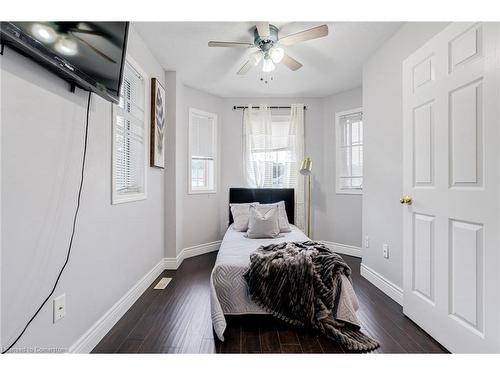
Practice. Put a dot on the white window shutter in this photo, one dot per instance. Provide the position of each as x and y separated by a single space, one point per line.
129 132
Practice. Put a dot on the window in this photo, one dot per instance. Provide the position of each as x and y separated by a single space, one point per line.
273 148
129 137
275 154
202 151
349 125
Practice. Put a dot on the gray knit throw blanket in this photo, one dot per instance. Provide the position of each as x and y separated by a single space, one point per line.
300 283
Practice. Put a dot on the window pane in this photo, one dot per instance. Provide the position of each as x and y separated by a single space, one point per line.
209 174
357 183
278 174
345 161
350 152
202 174
272 156
345 183
344 133
361 132
202 148
356 133
357 161
198 173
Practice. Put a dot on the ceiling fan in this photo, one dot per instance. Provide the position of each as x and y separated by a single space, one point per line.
270 46
64 35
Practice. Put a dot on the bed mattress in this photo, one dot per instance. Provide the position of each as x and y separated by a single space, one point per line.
229 291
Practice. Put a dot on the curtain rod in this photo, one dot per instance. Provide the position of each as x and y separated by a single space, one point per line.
270 107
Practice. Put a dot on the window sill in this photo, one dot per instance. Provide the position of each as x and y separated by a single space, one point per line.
349 192
119 199
198 192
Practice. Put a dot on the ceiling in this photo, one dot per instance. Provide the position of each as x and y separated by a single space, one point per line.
331 64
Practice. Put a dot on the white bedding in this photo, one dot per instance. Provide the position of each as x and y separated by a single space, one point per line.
229 292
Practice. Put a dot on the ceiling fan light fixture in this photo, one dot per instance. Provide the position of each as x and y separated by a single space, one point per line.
66 46
268 66
255 58
44 33
277 54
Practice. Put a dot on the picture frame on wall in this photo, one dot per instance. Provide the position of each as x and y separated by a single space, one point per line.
158 124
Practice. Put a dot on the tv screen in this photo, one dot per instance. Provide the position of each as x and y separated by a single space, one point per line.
89 55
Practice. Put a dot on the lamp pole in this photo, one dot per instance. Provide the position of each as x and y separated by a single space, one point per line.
305 170
309 205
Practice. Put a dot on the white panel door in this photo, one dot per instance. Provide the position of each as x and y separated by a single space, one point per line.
451 164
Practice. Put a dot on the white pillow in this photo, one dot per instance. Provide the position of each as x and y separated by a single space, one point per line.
263 221
282 216
241 214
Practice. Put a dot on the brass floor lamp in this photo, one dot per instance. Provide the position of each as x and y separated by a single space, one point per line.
305 170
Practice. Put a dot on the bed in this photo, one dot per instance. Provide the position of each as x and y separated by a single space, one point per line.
229 292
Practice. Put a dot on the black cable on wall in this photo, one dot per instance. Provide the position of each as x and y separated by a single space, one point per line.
72 231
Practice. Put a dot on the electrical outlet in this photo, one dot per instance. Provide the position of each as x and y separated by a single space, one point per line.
367 241
59 307
385 249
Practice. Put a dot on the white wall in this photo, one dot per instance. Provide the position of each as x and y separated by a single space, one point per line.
171 229
338 216
115 245
383 178
199 219
195 217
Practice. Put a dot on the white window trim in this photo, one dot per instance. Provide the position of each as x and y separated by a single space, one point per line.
132 197
192 191
338 116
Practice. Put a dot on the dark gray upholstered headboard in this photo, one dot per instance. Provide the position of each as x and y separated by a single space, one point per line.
248 195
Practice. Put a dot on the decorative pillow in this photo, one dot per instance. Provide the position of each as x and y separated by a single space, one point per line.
241 214
282 216
263 221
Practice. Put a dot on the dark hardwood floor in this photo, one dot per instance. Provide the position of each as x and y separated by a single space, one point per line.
177 320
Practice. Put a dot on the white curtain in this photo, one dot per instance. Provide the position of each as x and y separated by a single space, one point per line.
296 138
257 144
275 142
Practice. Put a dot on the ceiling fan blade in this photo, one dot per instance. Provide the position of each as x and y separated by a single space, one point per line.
99 52
90 32
245 68
229 44
263 29
302 36
291 63
252 61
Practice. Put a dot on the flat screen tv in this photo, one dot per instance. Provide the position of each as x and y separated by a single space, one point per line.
89 55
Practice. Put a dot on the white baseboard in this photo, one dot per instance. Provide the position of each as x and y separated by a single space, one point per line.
99 329
171 263
386 286
339 248
188 252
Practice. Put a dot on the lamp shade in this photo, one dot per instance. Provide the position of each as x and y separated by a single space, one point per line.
268 66
306 167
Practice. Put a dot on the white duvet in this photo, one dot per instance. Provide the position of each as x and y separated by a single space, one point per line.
229 292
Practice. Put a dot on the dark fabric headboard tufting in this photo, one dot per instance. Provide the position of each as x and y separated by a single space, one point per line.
248 195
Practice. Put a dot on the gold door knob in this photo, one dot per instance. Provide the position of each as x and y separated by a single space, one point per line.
406 200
